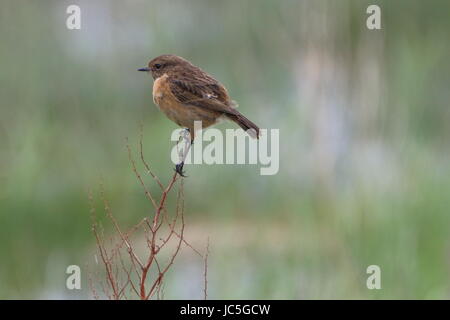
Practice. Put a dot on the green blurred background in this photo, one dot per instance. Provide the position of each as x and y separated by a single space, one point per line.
364 143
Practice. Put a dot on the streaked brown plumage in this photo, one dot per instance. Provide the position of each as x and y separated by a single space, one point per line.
185 94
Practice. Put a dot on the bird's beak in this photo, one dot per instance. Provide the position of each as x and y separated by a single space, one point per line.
144 69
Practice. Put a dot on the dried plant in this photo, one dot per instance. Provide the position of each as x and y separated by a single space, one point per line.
132 271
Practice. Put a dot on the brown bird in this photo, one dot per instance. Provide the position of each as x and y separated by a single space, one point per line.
185 94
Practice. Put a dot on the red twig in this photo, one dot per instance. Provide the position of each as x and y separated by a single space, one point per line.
135 275
205 274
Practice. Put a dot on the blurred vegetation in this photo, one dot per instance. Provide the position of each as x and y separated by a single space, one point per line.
364 129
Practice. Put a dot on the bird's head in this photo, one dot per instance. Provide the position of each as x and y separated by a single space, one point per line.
165 64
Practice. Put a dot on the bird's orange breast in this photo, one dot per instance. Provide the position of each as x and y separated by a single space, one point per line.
161 90
169 104
182 114
165 100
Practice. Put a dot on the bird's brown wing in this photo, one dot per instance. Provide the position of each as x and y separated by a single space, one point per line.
203 93
206 93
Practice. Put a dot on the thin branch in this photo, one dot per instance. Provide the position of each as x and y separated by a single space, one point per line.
136 172
141 151
139 276
205 274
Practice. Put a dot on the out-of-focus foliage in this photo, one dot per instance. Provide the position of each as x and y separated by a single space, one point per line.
364 143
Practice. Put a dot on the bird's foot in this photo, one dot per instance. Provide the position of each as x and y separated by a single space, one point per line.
179 169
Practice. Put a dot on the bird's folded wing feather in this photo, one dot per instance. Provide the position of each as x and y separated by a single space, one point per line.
203 94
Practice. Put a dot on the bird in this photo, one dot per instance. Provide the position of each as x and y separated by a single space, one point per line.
185 94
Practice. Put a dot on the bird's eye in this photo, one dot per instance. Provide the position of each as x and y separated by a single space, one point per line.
158 66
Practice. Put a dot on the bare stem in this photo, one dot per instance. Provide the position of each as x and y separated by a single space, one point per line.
137 275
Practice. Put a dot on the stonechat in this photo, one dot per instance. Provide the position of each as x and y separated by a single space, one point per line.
185 94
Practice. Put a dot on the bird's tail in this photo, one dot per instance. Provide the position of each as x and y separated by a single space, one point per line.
248 126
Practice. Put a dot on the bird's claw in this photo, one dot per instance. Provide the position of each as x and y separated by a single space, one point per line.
179 169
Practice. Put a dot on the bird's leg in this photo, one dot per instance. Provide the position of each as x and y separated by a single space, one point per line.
186 136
